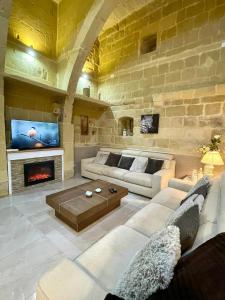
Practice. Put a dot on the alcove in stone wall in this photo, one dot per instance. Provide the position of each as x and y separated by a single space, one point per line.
126 123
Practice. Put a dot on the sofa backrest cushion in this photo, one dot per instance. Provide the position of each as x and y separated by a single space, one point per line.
125 162
113 159
137 152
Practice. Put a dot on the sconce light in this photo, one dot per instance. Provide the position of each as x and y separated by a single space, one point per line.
85 76
31 51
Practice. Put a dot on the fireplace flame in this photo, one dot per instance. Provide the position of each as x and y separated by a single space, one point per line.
38 177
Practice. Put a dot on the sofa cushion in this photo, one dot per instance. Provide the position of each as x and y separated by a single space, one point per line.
169 197
153 166
125 162
142 179
212 204
113 159
152 267
139 165
114 172
150 219
67 281
95 168
107 259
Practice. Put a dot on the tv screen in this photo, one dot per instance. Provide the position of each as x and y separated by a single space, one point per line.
31 135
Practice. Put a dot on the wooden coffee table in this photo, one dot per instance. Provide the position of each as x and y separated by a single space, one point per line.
79 211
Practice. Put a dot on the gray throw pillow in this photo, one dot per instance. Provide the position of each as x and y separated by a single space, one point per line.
125 162
152 267
188 224
204 180
201 190
113 159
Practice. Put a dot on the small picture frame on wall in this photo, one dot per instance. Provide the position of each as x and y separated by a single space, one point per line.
149 123
84 125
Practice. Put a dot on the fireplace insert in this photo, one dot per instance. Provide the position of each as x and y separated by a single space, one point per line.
35 173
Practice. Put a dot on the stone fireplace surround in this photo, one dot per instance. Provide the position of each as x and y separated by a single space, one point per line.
17 160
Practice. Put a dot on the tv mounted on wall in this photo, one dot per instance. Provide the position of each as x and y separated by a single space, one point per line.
32 135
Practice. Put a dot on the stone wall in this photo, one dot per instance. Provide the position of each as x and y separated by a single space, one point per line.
34 23
188 118
39 68
182 79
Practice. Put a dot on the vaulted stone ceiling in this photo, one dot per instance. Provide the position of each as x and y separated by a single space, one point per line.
123 9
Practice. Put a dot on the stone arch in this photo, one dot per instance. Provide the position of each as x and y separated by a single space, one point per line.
86 37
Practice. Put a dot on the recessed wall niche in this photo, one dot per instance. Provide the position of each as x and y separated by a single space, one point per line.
125 126
148 44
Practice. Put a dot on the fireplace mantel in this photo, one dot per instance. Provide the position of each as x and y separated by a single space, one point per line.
26 155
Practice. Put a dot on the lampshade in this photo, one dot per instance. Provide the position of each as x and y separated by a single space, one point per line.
212 158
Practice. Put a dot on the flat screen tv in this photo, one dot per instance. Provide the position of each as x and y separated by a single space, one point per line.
31 135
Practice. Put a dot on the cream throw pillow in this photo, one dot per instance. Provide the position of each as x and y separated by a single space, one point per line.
139 165
101 157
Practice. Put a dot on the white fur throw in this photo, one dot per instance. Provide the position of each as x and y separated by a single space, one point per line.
152 267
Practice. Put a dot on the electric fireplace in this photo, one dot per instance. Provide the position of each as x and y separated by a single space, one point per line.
38 172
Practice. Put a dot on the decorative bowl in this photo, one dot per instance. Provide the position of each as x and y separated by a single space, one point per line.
88 194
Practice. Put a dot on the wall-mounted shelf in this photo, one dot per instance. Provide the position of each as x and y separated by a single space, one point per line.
12 80
84 99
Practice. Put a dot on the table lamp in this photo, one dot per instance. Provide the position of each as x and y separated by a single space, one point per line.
211 159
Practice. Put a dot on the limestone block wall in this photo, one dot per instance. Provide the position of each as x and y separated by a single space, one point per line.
39 68
34 23
188 118
182 79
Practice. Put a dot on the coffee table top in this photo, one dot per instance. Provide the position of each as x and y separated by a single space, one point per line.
74 200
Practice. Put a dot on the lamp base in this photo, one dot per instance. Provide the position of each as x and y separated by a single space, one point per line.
208 170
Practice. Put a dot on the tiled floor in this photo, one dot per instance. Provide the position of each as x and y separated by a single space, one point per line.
32 239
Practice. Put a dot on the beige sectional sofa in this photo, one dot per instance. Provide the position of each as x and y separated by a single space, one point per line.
140 183
95 272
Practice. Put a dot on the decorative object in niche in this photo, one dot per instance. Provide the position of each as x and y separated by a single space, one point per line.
150 123
84 125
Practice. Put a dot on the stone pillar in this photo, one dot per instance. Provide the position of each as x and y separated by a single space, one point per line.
5 8
67 138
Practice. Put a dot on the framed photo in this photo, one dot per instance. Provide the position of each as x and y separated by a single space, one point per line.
84 125
150 123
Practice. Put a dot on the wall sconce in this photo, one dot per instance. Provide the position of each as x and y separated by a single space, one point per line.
31 51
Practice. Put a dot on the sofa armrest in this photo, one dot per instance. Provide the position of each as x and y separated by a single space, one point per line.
160 179
68 281
86 161
180 184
